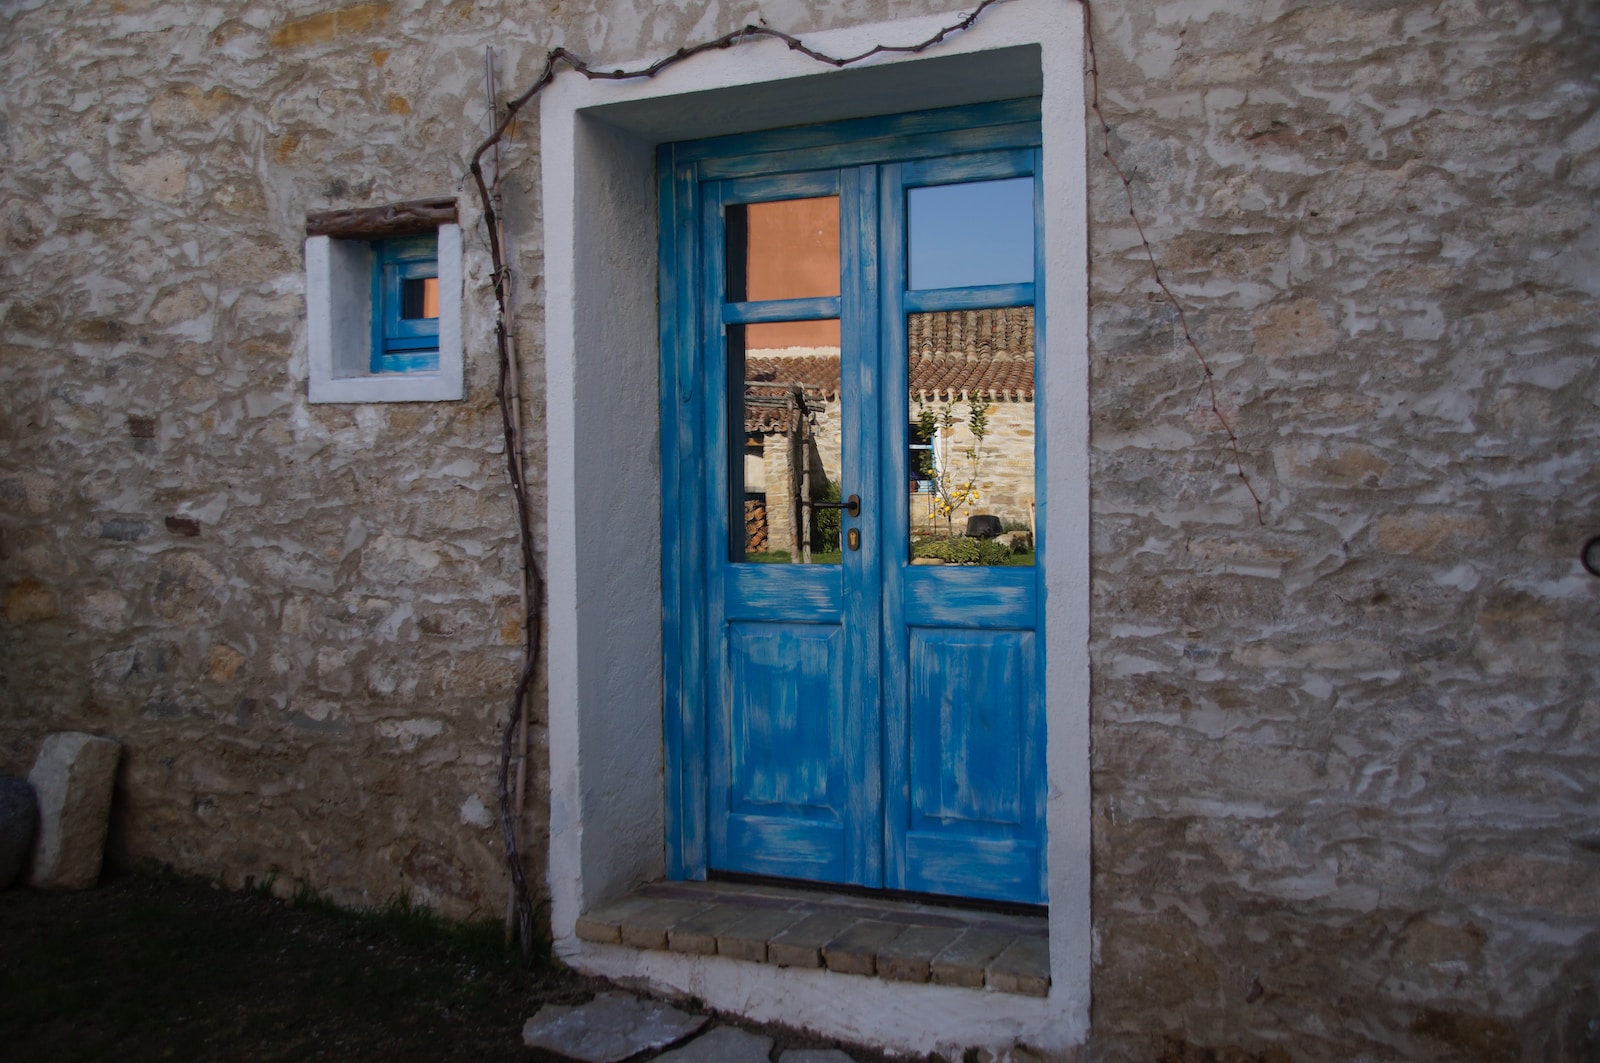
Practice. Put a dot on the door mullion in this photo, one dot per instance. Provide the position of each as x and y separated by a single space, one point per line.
894 530
863 595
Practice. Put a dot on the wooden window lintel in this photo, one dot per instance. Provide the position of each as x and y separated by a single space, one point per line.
391 219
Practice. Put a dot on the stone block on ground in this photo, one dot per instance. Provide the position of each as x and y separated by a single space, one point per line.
814 1055
610 1028
72 779
725 1044
19 813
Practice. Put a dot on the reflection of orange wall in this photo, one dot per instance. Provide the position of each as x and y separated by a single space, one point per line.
794 253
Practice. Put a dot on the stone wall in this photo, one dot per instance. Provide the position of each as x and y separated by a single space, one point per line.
301 621
1345 759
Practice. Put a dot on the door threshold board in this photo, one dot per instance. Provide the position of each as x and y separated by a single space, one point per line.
896 940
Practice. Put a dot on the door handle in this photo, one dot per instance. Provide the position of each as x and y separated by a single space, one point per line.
851 505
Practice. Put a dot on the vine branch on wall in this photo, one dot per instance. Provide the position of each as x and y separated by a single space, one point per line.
533 577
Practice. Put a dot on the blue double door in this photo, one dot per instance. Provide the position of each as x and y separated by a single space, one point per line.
855 685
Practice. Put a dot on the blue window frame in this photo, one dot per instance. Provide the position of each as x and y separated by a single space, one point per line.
405 304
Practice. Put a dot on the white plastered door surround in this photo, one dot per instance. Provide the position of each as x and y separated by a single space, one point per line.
597 142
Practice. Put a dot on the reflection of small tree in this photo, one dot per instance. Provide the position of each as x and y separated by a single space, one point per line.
955 488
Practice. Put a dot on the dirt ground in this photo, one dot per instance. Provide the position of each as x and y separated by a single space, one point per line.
152 967
157 968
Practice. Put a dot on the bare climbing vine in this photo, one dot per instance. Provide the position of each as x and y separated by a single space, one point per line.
533 577
1155 267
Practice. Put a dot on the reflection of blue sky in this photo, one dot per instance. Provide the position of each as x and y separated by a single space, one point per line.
980 232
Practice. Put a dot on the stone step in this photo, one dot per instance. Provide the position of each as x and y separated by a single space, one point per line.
892 940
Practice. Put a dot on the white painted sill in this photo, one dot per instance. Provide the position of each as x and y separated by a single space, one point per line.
339 326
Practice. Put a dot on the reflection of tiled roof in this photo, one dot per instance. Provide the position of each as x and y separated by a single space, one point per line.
766 411
976 352
952 353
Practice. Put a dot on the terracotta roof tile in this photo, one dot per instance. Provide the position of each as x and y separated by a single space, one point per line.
951 353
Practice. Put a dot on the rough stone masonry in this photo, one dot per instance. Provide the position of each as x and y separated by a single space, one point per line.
1346 761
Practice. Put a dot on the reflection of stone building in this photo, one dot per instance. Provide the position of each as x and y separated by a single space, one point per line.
791 423
957 359
792 444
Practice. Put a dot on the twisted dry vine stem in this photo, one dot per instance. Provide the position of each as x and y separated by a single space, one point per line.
1155 268
533 577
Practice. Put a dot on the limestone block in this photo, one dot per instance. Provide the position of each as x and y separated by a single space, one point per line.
19 813
72 777
610 1028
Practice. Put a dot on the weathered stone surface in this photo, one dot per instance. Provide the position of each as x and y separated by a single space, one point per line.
610 1028
725 1044
1344 751
19 818
73 778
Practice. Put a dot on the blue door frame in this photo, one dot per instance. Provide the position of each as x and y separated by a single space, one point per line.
870 722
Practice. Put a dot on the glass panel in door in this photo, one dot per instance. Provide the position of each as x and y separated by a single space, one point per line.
786 410
970 411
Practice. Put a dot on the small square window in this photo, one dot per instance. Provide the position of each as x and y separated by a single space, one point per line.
384 312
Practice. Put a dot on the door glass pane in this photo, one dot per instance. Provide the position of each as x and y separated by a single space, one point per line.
964 235
970 438
784 442
787 249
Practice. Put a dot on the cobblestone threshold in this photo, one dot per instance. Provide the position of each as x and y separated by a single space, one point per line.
896 941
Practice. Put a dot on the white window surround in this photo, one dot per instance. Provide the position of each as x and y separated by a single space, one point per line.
604 410
339 325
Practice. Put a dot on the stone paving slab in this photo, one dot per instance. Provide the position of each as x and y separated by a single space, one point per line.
855 951
646 928
747 939
963 961
814 1055
801 945
700 931
610 1028
604 924
725 1044
1024 967
908 957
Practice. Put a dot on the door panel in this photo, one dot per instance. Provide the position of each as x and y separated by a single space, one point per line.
970 692
786 787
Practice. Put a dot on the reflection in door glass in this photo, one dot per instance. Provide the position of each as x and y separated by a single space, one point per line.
979 232
970 452
783 433
787 249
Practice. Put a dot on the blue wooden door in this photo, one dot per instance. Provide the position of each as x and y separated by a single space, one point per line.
855 691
